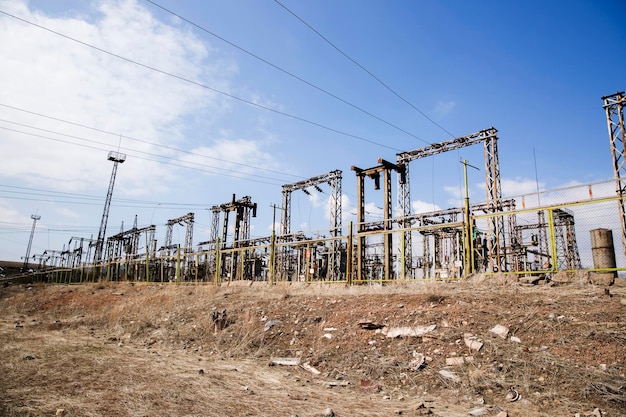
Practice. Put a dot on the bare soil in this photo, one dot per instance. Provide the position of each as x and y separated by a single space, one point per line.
119 349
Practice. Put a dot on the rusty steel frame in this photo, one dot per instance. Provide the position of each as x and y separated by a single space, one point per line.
244 209
187 220
385 167
614 107
333 179
494 192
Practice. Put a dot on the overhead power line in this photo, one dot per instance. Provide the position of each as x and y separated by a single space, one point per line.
199 84
218 171
147 142
380 81
284 71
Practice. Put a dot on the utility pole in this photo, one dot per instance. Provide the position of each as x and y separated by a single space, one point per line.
35 217
469 238
116 158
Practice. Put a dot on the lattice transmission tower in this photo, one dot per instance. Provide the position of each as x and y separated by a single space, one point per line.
614 106
117 158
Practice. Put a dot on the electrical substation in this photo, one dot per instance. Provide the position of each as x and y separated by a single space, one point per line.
495 235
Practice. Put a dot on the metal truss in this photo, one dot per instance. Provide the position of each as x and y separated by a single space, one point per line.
187 220
385 168
568 256
494 193
333 179
614 107
117 158
126 243
244 209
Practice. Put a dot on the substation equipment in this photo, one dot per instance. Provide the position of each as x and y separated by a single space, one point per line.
307 256
223 256
454 242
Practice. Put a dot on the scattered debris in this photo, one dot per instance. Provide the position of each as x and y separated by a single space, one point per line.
455 361
329 412
285 361
449 375
369 325
417 363
330 384
513 395
270 324
309 368
472 342
416 331
500 330
421 410
459 360
516 339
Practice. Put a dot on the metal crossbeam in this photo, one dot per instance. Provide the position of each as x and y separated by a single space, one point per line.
494 193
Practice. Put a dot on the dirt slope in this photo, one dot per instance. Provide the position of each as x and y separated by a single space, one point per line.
163 350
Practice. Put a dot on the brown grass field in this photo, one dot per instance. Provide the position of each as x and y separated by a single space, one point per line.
119 349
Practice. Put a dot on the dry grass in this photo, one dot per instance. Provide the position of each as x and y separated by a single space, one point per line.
141 350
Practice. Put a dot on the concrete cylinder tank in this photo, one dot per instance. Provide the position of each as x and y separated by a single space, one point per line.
602 249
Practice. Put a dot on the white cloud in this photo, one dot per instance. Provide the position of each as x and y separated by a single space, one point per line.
443 108
67 213
55 76
423 207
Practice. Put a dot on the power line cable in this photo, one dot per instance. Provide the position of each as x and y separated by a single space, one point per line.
145 141
284 71
142 152
199 84
380 81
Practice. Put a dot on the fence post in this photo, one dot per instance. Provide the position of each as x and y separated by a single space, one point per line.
349 256
217 261
177 276
552 239
272 258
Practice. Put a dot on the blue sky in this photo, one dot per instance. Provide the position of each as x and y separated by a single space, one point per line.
535 70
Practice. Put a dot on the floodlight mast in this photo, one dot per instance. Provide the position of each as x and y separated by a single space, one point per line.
35 217
116 158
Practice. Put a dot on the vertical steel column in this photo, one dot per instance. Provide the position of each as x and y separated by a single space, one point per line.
495 224
388 235
614 107
404 201
360 219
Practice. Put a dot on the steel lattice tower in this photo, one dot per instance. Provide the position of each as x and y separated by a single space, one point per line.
117 158
35 217
492 179
333 179
614 106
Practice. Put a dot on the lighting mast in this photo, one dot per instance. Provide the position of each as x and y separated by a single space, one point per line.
35 217
117 158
